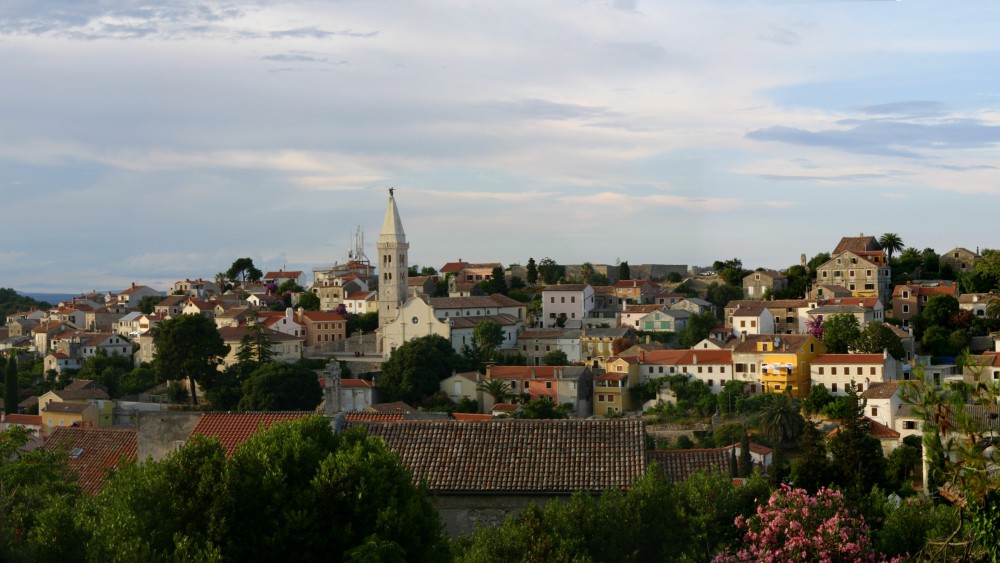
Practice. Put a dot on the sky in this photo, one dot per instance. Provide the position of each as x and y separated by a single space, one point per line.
150 142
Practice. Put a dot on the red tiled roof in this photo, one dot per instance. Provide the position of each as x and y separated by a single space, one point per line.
505 407
471 417
103 449
451 267
316 316
397 406
282 275
358 416
881 390
23 419
849 359
879 430
232 429
518 456
678 465
355 384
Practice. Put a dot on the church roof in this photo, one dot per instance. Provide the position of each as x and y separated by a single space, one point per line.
392 226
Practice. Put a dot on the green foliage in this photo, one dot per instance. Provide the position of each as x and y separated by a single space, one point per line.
780 420
550 271
902 527
719 294
987 268
891 243
684 442
811 469
841 333
837 408
900 465
729 433
415 369
497 282
555 358
698 328
798 283
731 272
876 337
937 312
728 399
857 455
636 525
107 370
488 335
283 492
531 272
745 463
815 262
366 322
709 504
149 302
674 277
309 301
243 270
12 302
818 398
10 390
189 346
624 272
499 389
278 386
544 408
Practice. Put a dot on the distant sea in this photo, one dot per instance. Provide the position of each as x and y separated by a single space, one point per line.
51 298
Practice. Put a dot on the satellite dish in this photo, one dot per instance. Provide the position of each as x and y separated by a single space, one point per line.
777 341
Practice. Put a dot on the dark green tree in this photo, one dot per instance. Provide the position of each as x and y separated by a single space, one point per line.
531 272
780 420
811 469
498 281
108 370
189 347
555 358
543 408
290 285
891 243
414 371
698 328
841 333
243 270
550 271
857 455
876 337
818 398
937 312
277 386
255 347
10 394
488 334
366 322
815 262
147 303
309 301
745 463
11 302
499 389
719 294
624 272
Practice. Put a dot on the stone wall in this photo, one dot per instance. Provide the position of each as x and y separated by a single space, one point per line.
461 514
159 433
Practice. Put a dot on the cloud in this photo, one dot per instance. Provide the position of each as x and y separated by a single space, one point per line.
544 109
915 108
625 5
312 32
781 36
835 178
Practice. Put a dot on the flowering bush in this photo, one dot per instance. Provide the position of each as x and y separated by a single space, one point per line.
794 526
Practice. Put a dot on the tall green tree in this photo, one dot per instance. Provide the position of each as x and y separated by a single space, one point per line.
624 272
309 301
255 347
550 270
815 262
841 333
811 469
10 394
243 270
857 455
891 243
876 337
745 462
780 420
719 294
189 347
277 386
531 272
587 272
415 369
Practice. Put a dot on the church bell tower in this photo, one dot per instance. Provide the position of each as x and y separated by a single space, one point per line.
393 261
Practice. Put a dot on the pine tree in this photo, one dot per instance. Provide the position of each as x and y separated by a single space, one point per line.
746 461
10 398
531 272
857 455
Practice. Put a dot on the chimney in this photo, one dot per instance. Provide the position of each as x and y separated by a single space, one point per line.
694 359
642 355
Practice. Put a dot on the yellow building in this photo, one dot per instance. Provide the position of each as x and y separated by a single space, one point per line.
81 393
611 389
785 362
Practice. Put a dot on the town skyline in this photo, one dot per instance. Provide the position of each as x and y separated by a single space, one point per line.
157 142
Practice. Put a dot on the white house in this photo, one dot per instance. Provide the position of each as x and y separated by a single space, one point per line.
566 301
836 371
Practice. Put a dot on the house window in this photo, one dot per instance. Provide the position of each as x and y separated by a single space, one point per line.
874 411
753 323
909 425
548 385
906 308
527 384
871 370
859 370
820 370
833 371
868 273
572 299
812 347
562 299
833 387
906 295
711 382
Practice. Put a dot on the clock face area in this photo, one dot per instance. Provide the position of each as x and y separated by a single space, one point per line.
415 320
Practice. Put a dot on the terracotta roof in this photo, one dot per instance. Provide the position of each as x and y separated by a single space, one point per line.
856 244
878 430
505 301
540 334
359 416
748 310
678 465
397 406
881 390
471 417
236 334
360 296
232 429
84 384
451 267
643 309
469 302
526 372
852 359
283 275
505 407
23 419
414 281
316 316
772 304
518 456
565 287
789 342
98 450
471 322
355 384
983 298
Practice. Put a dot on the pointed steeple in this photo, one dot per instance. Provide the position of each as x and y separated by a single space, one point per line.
392 226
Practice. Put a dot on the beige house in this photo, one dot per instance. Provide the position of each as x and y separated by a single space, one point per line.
321 328
286 348
836 371
961 260
465 385
757 284
81 403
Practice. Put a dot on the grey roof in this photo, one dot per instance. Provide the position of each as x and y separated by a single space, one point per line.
518 456
392 226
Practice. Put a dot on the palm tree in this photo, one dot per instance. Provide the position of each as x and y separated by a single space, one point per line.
586 272
496 388
780 421
993 308
890 243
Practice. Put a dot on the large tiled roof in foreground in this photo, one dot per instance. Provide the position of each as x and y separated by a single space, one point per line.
513 456
93 452
678 465
233 428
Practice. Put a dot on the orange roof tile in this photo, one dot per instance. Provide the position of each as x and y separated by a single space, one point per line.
232 429
98 450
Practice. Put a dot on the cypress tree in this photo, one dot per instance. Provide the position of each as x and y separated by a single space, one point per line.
10 387
746 462
734 470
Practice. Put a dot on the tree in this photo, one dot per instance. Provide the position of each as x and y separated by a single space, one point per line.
277 386
876 337
815 262
149 302
780 420
107 370
698 328
550 271
498 281
811 469
189 347
798 283
841 333
531 272
255 347
745 462
10 395
309 301
555 358
499 389
222 282
891 243
857 455
416 368
719 294
818 398
587 272
289 286
620 344
543 408
243 270
624 272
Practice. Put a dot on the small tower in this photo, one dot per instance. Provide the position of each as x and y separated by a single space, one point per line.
393 260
